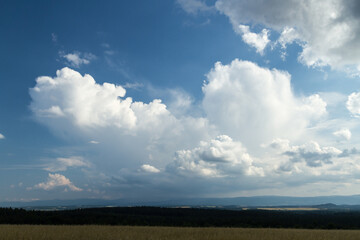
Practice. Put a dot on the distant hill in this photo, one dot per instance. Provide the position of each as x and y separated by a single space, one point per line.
269 201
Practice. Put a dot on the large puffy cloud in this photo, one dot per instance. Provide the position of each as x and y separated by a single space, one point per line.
328 31
217 158
256 104
57 180
128 132
81 100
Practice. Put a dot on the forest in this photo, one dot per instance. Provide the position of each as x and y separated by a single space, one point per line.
185 217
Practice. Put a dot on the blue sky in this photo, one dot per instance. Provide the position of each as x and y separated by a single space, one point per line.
183 98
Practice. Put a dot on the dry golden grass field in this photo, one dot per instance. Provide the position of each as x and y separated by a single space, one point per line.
41 232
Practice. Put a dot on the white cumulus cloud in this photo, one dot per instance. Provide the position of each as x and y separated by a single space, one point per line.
82 100
217 158
2 136
288 36
149 168
256 40
343 133
353 104
256 104
123 126
57 180
309 154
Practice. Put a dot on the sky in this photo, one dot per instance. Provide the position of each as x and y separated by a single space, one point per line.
177 99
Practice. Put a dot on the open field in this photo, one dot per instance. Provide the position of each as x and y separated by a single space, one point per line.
88 232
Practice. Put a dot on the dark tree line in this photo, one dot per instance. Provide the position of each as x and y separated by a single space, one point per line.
193 217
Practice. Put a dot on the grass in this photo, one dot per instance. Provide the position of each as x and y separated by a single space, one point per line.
88 232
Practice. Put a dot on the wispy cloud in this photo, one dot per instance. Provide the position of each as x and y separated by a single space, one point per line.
76 59
195 6
62 164
132 85
54 38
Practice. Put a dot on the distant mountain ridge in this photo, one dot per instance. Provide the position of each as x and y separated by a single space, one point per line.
270 201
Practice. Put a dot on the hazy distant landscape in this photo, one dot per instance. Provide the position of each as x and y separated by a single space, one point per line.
339 202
